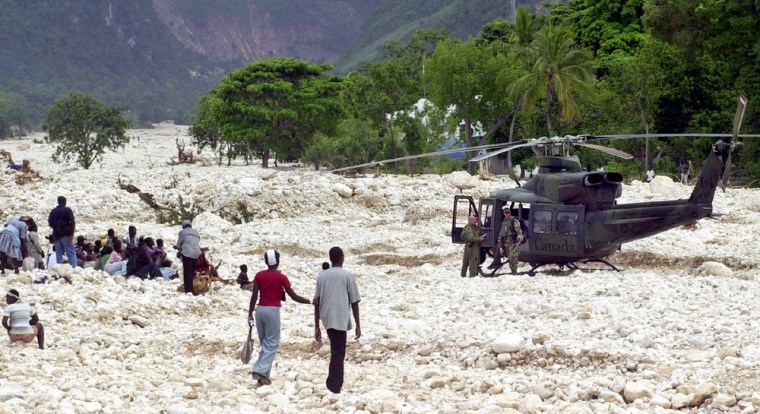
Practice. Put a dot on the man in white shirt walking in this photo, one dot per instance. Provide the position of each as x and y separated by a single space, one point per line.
336 292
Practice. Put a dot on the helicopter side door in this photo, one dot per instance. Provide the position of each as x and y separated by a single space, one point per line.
490 221
464 206
557 231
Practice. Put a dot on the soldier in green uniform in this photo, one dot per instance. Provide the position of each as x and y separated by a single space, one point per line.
510 238
472 237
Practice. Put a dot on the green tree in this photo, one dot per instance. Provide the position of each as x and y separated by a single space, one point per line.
277 105
85 129
385 91
355 142
467 78
558 74
607 28
12 111
512 42
379 93
206 131
501 33
677 22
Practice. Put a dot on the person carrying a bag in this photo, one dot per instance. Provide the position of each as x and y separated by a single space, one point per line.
272 285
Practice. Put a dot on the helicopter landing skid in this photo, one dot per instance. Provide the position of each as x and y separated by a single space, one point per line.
573 266
612 266
486 272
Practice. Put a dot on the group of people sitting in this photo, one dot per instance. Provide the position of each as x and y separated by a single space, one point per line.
143 257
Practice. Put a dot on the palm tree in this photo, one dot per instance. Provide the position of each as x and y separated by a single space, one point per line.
523 27
557 71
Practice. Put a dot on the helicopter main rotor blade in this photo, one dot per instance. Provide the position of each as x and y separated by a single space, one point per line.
607 150
519 144
568 139
671 135
427 154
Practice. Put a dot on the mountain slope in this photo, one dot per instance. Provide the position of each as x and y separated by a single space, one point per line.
155 58
116 51
245 30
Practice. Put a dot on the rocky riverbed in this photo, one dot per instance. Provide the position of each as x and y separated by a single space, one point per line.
676 330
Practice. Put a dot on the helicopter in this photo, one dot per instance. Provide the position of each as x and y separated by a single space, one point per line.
571 216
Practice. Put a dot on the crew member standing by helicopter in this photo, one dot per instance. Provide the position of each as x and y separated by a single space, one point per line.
511 236
471 234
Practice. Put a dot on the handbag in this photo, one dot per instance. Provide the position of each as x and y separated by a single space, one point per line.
245 354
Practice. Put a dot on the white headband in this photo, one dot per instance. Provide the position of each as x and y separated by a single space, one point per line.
270 257
12 295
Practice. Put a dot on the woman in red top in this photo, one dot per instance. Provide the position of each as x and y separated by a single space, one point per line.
272 284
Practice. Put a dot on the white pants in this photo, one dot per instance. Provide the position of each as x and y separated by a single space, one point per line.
118 268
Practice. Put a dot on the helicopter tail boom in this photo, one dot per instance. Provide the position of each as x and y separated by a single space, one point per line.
704 190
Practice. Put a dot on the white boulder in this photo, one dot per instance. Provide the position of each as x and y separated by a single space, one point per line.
715 269
12 390
531 404
663 185
752 203
462 180
511 342
722 401
635 390
343 190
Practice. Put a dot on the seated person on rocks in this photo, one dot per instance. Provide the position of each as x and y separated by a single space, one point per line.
154 251
108 240
79 250
51 258
156 256
242 279
21 321
159 254
131 241
33 245
116 265
79 245
105 254
88 257
143 266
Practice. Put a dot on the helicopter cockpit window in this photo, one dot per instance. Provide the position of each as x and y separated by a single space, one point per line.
542 222
487 215
567 222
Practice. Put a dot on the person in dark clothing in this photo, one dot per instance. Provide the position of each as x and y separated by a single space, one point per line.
189 246
144 266
242 278
63 223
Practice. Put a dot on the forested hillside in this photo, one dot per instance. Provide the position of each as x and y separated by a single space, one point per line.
588 67
117 51
398 19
